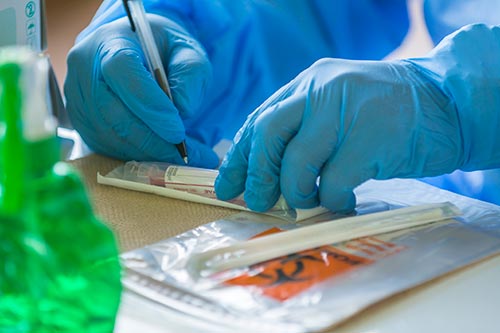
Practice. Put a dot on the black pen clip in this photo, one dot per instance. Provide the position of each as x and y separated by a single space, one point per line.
129 14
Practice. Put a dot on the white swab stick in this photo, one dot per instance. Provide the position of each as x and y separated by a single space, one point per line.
243 254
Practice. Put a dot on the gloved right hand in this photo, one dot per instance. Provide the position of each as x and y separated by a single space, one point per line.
119 109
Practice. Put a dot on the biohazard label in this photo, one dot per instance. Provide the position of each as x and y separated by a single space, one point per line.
285 277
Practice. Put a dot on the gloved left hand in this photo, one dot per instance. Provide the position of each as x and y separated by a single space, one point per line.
349 121
346 122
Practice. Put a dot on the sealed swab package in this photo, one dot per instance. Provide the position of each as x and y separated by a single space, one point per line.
191 184
317 287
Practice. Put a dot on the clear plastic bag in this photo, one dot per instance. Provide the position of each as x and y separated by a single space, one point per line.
321 287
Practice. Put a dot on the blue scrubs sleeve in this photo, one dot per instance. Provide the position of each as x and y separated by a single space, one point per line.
442 17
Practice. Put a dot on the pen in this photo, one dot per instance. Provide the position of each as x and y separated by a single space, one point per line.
139 24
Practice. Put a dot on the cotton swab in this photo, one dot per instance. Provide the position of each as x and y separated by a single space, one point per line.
244 254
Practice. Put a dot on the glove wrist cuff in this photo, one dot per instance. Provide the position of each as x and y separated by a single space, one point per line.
466 67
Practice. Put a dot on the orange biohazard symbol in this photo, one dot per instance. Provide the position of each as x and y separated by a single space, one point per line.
285 277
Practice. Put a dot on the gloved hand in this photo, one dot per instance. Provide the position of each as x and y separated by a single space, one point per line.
117 106
349 121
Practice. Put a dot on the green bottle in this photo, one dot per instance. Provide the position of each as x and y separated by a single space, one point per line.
59 265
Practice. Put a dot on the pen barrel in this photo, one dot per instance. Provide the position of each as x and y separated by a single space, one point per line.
148 44
139 22
162 82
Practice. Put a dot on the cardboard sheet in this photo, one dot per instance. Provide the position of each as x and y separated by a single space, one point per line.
138 218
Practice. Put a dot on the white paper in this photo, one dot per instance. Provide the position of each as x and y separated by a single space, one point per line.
301 214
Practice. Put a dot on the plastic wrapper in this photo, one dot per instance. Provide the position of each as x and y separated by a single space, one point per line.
191 184
321 287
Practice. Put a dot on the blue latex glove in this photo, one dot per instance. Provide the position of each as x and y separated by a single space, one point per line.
117 106
223 58
350 121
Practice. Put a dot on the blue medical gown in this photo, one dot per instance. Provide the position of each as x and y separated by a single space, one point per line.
255 47
443 17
